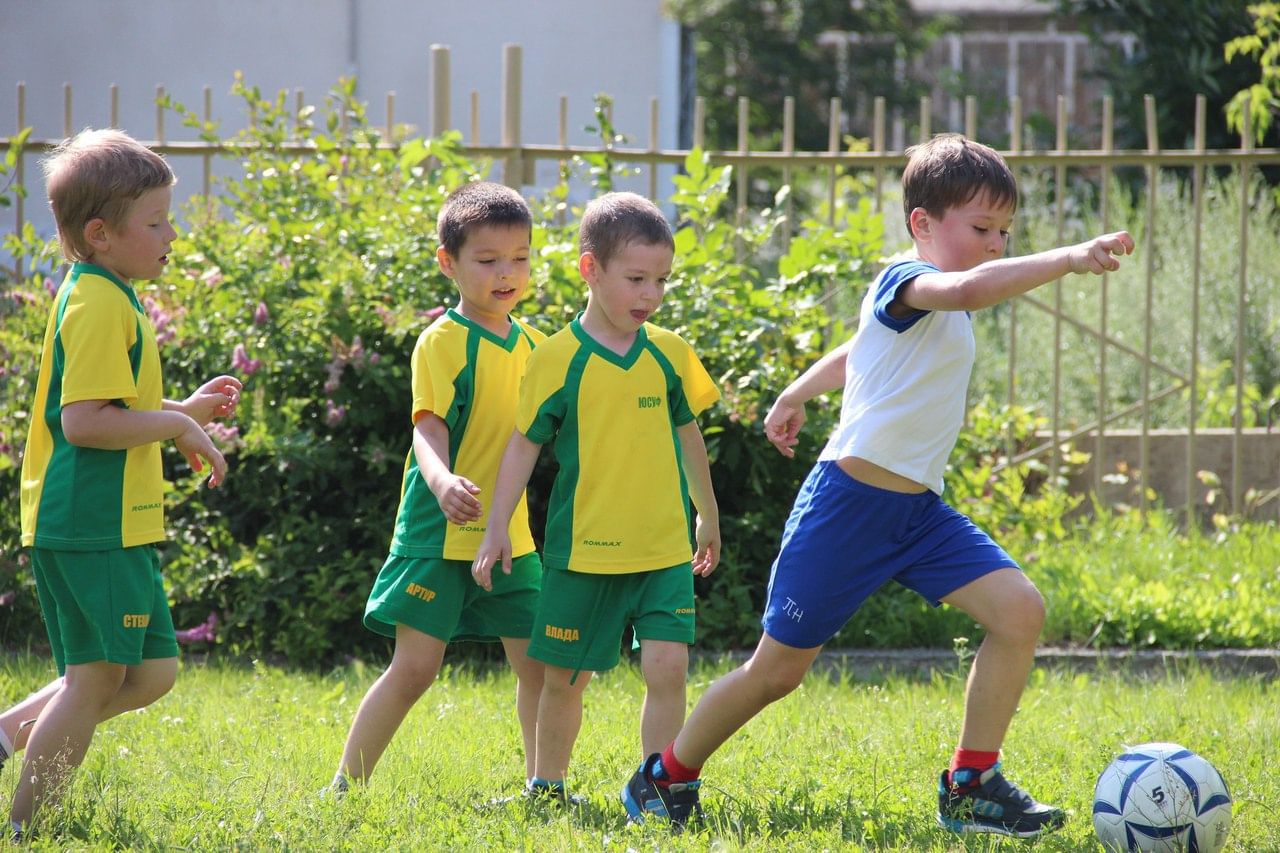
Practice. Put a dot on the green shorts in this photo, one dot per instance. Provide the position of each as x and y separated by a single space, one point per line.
104 605
439 597
581 616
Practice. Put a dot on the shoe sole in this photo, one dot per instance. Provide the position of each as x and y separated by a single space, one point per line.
961 827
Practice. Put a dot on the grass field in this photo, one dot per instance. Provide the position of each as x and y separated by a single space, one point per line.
235 758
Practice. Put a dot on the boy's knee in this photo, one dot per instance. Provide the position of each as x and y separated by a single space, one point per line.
411 678
1023 616
773 683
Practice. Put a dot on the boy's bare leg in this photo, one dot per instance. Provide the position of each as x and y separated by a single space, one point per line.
414 666
773 671
529 678
665 666
1011 610
143 684
62 734
559 719
28 709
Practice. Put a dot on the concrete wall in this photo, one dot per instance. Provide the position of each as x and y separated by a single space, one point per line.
1167 464
572 47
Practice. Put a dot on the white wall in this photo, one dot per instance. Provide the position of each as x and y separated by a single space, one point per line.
571 47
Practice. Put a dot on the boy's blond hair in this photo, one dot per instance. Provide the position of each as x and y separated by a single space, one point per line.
949 170
98 174
615 220
476 205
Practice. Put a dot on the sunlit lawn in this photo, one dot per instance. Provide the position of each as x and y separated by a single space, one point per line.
236 756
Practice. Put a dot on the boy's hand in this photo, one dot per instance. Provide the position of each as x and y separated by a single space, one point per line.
782 425
195 444
493 550
456 498
216 398
1099 254
707 537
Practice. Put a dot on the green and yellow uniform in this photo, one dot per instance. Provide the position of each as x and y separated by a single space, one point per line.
469 378
92 516
619 509
98 345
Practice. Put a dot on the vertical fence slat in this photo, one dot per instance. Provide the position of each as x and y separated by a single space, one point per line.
971 117
741 176
926 118
833 147
700 123
299 104
440 107
788 147
475 117
1099 447
206 161
1246 145
1197 208
113 99
1059 221
1153 178
66 110
160 115
391 117
20 172
562 137
512 56
653 146
1015 146
877 145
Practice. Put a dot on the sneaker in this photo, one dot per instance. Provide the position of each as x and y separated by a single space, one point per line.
994 804
677 802
551 795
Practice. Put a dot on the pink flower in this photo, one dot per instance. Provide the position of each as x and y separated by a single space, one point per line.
205 632
261 315
7 598
212 277
434 312
334 414
51 286
331 385
374 357
240 361
227 437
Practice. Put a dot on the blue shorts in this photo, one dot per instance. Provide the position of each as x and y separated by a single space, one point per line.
845 538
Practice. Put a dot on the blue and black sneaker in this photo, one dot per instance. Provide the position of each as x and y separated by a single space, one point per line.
969 801
678 802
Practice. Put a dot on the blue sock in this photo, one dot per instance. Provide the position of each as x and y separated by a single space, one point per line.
537 782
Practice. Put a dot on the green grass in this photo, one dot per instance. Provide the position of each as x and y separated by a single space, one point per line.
234 758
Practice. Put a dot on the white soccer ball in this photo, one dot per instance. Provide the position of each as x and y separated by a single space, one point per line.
1161 797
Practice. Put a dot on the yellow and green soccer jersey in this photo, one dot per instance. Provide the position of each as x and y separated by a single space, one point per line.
620 502
469 378
98 345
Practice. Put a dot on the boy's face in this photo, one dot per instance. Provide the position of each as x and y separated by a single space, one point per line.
491 271
626 292
138 248
965 236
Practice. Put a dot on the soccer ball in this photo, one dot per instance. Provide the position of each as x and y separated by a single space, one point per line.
1161 797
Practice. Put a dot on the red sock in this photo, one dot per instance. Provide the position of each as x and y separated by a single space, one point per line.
974 759
673 770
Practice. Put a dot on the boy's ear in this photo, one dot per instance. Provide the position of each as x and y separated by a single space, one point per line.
95 234
588 267
921 224
445 260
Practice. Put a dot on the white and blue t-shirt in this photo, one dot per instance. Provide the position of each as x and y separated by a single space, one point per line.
905 383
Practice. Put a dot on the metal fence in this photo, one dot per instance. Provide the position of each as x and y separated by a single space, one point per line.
518 158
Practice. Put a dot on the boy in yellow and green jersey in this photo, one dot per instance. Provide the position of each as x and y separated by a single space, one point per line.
466 372
617 398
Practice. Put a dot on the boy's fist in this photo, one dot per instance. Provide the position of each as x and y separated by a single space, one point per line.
1099 254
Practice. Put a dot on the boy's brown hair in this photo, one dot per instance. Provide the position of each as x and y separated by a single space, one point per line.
949 170
615 220
475 205
98 174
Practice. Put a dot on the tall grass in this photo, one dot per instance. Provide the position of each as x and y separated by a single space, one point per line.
234 759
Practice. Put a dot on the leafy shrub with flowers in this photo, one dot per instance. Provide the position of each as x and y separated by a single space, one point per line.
310 277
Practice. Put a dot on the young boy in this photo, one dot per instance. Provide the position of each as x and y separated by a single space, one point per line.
92 484
617 397
467 367
871 509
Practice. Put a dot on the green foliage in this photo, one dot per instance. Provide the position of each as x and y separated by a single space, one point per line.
1263 97
1179 55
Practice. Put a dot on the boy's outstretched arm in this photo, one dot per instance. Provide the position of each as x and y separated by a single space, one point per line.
455 493
995 281
513 475
697 473
103 425
786 416
216 398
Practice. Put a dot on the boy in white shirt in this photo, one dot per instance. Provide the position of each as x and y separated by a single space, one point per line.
871 509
